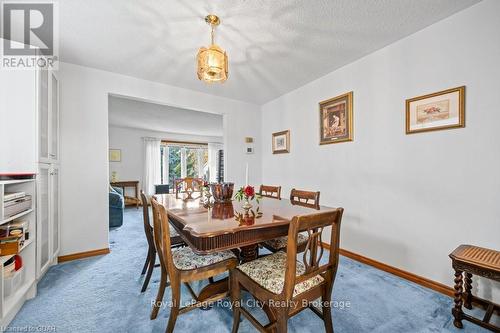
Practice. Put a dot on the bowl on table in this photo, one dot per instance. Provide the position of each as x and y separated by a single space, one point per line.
222 192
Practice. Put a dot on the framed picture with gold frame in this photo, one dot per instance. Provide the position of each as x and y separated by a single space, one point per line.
336 119
281 142
115 155
441 110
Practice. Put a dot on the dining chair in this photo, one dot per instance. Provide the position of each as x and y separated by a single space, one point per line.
188 185
300 198
304 198
287 285
182 265
150 264
270 191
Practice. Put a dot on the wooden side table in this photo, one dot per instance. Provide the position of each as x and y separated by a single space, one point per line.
129 183
474 260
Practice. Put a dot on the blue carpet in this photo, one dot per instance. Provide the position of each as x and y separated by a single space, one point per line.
102 294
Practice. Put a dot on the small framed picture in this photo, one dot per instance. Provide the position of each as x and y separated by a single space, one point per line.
335 119
281 142
115 155
249 150
441 110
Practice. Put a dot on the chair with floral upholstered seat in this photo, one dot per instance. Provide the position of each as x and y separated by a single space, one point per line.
287 285
184 266
150 264
300 198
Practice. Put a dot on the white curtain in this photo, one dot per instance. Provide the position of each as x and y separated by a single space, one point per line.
166 160
152 159
183 163
199 155
213 149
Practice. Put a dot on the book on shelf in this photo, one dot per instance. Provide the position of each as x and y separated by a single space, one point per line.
8 196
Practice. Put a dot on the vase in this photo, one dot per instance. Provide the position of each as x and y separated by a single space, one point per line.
247 205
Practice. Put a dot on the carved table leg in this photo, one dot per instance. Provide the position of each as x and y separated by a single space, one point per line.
457 310
249 253
468 293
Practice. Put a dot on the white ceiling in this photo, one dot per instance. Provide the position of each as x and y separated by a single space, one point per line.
124 112
273 46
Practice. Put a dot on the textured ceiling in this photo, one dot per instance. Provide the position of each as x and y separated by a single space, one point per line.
273 46
124 112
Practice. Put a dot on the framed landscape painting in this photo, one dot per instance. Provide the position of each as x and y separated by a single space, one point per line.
336 119
281 142
441 110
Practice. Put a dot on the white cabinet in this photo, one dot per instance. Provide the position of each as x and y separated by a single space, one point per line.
48 226
48 176
43 218
48 116
54 213
54 117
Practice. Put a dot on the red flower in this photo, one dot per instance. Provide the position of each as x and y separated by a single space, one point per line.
249 191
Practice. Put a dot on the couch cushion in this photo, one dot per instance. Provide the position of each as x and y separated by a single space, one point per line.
185 259
280 242
269 272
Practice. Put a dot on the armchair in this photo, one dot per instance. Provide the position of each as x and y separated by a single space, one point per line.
116 206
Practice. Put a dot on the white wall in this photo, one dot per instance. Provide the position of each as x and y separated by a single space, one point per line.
129 140
18 130
409 199
84 144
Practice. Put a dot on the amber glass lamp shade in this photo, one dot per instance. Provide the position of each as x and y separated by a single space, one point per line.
212 64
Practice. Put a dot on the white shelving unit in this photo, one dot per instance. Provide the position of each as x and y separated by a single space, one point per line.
10 304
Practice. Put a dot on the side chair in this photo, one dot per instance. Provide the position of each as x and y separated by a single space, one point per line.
287 285
175 241
300 198
269 191
182 265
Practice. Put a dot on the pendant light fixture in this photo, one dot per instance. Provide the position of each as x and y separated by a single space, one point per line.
212 61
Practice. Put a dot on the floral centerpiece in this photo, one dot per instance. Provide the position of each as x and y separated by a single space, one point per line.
247 193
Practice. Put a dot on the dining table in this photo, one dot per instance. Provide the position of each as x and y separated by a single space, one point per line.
210 227
213 227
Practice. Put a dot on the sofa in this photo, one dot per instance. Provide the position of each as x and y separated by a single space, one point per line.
116 207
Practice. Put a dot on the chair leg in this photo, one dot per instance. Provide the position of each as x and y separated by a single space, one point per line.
176 304
281 321
236 299
146 262
327 313
159 296
151 266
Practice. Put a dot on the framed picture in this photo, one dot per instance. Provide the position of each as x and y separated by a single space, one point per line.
441 110
281 142
115 155
336 120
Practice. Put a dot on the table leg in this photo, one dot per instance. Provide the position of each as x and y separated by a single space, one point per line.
457 310
468 293
249 253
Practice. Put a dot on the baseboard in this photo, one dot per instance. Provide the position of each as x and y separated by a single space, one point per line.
436 286
81 255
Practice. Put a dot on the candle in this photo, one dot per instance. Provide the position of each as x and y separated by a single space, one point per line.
246 176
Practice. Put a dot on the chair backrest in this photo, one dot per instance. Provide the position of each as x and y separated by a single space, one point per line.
188 184
161 231
304 198
148 229
314 226
270 191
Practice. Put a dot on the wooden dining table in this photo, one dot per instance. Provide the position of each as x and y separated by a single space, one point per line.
210 228
225 226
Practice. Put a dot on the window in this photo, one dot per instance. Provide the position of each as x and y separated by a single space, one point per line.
179 160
